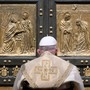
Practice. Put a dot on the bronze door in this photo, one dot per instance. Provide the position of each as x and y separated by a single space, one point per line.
24 22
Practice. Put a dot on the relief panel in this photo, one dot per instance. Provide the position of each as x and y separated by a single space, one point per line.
87 88
17 29
73 32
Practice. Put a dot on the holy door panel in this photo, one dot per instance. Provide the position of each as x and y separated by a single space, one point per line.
73 32
73 36
21 24
24 22
18 29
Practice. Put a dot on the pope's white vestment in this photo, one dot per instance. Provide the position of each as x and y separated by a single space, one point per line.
48 71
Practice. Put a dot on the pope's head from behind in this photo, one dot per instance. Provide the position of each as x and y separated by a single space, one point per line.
47 43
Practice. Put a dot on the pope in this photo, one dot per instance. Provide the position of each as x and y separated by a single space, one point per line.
48 71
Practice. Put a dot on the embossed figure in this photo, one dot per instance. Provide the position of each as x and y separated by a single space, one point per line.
82 35
87 71
15 70
9 36
66 33
48 72
4 71
26 26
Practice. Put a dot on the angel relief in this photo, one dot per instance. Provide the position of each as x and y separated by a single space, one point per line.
18 38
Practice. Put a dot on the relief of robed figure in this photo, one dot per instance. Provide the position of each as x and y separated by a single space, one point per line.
18 37
82 35
28 37
65 28
9 36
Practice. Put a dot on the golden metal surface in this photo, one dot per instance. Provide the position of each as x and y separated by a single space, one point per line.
4 71
73 32
87 88
15 70
17 29
86 71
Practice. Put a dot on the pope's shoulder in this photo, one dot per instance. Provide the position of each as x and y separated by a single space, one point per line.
47 55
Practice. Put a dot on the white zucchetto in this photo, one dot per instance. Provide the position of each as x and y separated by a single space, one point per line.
47 41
